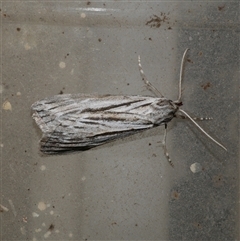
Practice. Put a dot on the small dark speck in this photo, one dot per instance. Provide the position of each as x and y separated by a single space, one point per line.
99 40
128 84
150 39
88 3
156 21
60 92
220 8
197 225
66 55
205 86
4 15
136 224
218 180
189 60
149 144
175 195
51 227
200 53
18 29
62 32
169 28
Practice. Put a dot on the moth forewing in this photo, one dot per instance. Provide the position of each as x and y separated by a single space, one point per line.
77 122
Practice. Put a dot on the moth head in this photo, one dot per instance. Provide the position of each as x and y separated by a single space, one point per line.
178 103
166 105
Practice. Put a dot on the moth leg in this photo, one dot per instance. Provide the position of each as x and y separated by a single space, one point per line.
147 83
165 147
195 118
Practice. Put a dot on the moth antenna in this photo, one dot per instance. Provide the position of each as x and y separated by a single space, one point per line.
180 78
147 83
201 129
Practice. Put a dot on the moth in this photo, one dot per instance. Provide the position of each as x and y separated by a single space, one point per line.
78 122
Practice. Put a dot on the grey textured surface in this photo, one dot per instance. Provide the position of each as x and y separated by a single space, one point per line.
125 190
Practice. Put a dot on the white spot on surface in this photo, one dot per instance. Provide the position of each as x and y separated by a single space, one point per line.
70 235
7 105
3 208
57 231
190 38
27 46
1 145
83 178
43 224
196 167
37 230
43 168
12 207
72 71
48 205
62 65
51 212
83 15
34 239
23 230
19 93
35 215
47 234
42 206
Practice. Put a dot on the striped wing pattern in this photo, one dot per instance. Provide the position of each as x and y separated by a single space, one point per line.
80 122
